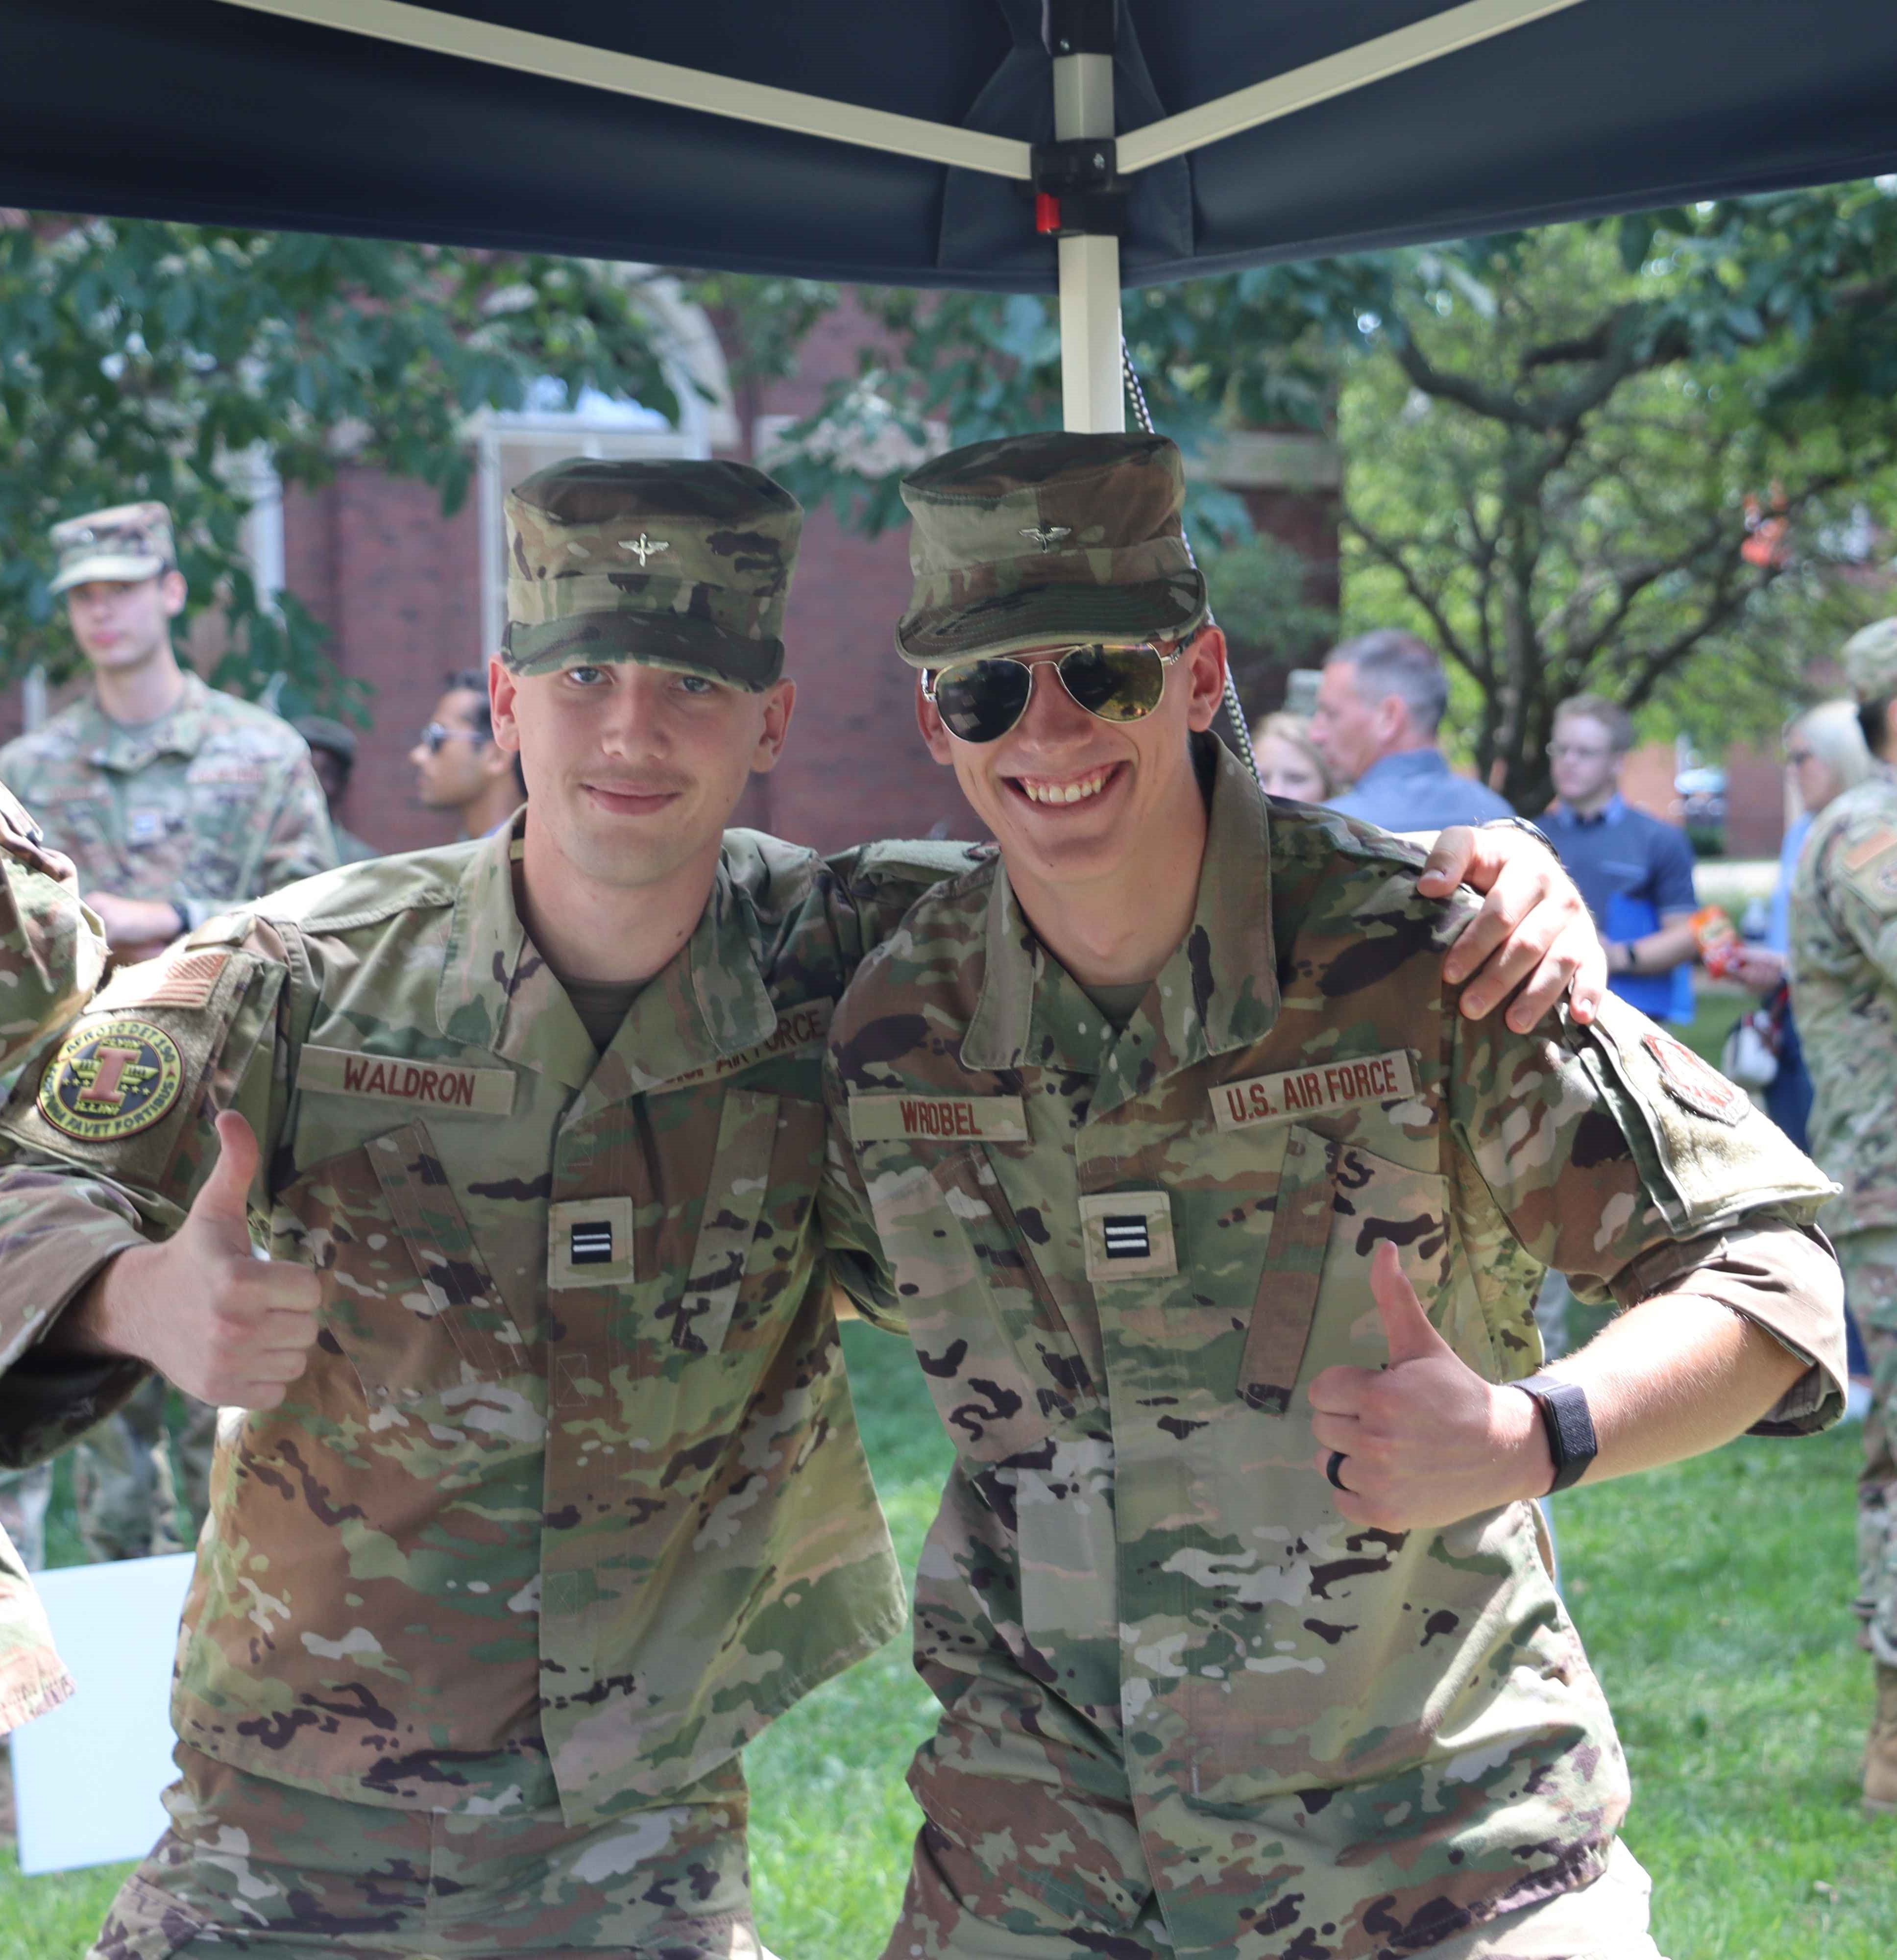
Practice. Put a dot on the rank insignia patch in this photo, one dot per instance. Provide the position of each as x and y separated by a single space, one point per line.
112 1079
1697 1084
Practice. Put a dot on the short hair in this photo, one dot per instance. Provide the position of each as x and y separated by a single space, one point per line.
1389 661
473 680
1295 729
1610 714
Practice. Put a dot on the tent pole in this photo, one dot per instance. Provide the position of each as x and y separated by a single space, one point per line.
1092 395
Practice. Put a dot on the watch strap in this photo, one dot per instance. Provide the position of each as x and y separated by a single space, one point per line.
1569 1424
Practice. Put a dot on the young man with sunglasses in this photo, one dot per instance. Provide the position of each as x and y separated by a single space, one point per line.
459 766
1154 1133
549 1495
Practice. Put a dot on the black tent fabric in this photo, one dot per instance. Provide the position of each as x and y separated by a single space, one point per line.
199 109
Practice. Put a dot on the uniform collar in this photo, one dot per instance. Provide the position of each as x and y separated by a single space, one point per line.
108 744
1218 991
708 1002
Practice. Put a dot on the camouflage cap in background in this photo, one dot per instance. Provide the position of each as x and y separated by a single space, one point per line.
321 731
1033 540
685 563
1870 661
127 543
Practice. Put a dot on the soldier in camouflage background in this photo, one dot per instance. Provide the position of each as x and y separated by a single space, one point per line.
1152 1135
50 960
566 1501
173 801
1844 984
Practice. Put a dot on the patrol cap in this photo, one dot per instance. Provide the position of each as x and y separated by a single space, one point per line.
321 732
1030 540
1870 661
128 543
685 564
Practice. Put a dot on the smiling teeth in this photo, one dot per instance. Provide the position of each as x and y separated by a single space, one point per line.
1065 792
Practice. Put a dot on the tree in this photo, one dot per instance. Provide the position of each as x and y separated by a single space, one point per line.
147 360
1556 441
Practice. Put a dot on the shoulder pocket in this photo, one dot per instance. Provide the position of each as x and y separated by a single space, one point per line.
408 1298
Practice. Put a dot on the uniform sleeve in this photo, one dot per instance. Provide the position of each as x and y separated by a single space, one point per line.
851 1247
1616 1156
52 952
32 1677
1858 876
103 1146
1673 890
297 843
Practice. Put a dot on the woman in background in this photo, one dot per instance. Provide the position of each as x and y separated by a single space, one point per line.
1289 763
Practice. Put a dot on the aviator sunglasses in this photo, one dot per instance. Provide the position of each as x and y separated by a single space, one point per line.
981 701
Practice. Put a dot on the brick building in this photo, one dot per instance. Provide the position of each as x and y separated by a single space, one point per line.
409 595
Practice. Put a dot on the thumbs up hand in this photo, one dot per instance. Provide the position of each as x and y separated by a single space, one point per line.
202 1309
1424 1441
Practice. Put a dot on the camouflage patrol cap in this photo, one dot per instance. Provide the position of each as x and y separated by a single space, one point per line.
128 543
685 564
321 731
1870 661
1031 540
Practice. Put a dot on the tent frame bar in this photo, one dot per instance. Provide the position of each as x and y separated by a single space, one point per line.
1371 60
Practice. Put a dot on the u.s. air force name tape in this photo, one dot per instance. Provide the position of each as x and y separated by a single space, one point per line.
1318 1091
798 1036
435 1085
937 1119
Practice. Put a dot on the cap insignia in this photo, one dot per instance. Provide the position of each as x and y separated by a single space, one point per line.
1047 536
642 547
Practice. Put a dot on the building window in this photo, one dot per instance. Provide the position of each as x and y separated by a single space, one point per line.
512 446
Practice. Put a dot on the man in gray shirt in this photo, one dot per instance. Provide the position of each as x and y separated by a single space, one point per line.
1379 704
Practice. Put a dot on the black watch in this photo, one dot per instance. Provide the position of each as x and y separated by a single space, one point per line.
1569 1424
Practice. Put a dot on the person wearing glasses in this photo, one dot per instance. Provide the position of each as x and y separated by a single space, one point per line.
1167 1136
546 1495
460 767
1635 872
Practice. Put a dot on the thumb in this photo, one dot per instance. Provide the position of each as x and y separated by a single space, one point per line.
1449 861
1406 1326
221 1196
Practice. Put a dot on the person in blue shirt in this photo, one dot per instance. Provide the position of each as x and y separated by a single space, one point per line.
1379 701
1635 872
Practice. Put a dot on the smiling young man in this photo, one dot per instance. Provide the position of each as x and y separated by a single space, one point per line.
1151 1133
550 1495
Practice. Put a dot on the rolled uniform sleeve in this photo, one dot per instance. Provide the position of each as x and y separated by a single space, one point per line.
70 1202
851 1244
1616 1156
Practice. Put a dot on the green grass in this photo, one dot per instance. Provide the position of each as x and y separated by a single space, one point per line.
1711 1596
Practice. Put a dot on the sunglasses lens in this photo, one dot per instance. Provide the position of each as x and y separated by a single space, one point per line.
981 701
1116 683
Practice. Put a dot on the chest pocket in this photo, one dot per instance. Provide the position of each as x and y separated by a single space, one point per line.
408 1298
1001 1357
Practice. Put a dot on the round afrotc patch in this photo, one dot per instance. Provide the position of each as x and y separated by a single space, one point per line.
1697 1084
111 1079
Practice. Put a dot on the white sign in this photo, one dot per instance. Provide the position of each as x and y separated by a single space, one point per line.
86 1777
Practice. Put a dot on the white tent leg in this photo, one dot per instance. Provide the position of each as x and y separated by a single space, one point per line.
1093 396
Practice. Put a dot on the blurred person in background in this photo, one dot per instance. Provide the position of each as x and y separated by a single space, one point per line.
1380 700
1844 990
1635 872
174 801
459 766
332 754
1290 762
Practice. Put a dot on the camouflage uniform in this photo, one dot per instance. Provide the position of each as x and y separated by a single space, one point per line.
323 733
214 803
1188 1709
1844 984
50 960
571 1502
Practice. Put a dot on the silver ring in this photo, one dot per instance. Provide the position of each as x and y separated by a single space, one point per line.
1331 1469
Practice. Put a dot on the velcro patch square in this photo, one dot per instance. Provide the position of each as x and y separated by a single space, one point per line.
588 1243
1127 1235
